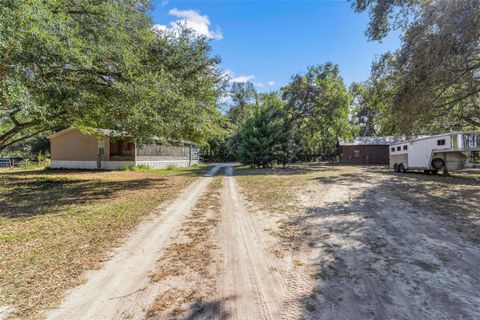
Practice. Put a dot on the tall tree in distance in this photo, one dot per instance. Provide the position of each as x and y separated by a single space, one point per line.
369 112
364 109
262 136
243 95
317 107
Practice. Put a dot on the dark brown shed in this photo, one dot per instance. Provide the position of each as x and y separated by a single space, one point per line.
365 150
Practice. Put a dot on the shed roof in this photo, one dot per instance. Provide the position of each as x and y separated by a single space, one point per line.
368 140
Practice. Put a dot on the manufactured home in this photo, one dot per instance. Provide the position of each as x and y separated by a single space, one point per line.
452 151
111 150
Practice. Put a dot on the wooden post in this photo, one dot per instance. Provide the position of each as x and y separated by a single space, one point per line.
189 155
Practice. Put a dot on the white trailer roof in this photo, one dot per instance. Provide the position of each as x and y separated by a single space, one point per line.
423 137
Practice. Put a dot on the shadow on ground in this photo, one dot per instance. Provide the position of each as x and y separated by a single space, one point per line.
35 193
292 169
386 253
211 309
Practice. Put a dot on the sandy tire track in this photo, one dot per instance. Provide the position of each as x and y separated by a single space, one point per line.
299 279
122 288
251 286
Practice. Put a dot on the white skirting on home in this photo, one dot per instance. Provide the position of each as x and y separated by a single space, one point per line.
118 165
107 165
69 164
157 164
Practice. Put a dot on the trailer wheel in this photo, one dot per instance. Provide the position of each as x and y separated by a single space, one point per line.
438 164
401 168
395 167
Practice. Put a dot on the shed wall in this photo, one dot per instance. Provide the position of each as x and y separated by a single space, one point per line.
365 154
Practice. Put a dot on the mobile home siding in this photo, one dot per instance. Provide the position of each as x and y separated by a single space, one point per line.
73 145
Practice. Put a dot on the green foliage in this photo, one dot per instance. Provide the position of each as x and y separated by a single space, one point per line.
99 64
431 83
317 110
387 15
368 111
261 137
304 123
140 167
243 95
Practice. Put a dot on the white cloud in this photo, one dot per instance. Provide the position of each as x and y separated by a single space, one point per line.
193 20
159 27
271 83
242 78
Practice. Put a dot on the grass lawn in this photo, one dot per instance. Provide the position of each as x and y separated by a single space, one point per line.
55 224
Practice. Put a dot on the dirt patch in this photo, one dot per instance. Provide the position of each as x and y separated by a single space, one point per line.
54 225
187 271
452 197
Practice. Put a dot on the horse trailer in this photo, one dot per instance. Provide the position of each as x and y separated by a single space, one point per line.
449 151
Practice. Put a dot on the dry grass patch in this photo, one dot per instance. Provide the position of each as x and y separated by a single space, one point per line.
188 265
55 225
274 190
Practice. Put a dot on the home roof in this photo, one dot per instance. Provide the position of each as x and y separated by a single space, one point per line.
102 132
368 140
115 133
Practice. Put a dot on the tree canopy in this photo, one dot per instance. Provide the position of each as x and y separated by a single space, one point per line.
302 122
99 64
317 108
432 83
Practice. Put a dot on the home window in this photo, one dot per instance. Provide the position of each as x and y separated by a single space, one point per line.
393 149
441 142
356 153
405 147
399 148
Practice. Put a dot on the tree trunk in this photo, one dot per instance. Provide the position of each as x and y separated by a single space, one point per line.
5 139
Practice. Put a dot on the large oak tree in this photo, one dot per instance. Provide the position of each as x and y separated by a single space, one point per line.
432 83
99 64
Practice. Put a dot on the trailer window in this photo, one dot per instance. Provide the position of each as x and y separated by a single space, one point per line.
399 148
405 147
441 142
356 153
393 149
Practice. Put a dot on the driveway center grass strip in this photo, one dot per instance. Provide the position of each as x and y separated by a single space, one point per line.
55 225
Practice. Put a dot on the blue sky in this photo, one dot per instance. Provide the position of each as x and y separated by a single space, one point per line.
267 42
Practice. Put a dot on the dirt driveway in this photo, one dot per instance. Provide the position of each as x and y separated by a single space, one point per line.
316 242
376 245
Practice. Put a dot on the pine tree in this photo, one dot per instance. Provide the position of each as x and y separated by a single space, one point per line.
258 139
